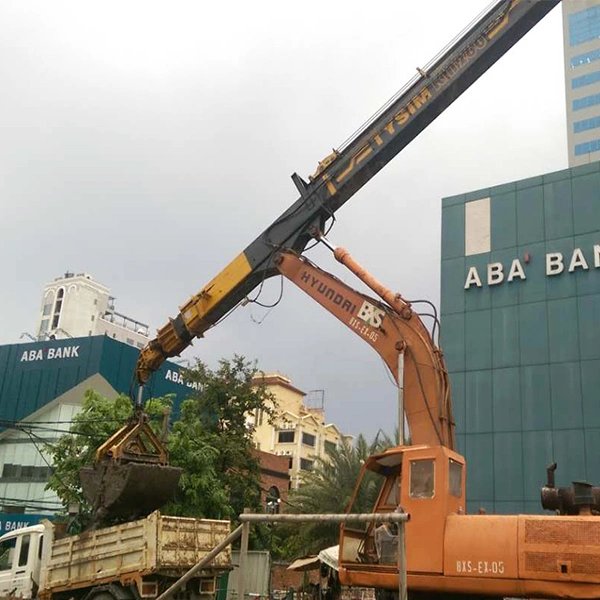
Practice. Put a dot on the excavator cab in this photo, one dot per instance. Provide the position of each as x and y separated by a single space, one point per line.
425 481
131 476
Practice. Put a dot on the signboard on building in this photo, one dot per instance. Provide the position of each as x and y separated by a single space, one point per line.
9 521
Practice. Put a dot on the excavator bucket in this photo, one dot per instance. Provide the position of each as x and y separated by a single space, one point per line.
131 476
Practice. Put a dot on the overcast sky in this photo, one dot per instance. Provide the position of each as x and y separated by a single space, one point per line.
147 143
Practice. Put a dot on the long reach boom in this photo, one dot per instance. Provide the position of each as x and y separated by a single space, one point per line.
347 169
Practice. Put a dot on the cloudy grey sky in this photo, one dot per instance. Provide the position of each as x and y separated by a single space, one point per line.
147 143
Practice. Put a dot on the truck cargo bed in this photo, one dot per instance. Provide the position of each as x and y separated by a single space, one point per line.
158 544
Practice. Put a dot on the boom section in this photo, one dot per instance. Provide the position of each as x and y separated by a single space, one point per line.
389 330
345 171
438 84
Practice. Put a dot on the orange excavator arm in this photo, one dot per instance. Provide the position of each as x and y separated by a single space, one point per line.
391 327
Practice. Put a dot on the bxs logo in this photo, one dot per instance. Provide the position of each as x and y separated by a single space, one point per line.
371 315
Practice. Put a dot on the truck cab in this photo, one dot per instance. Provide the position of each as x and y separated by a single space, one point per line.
21 561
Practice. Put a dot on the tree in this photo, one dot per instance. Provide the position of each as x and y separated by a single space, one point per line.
328 488
211 441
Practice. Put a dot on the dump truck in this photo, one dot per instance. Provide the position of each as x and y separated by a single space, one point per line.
130 561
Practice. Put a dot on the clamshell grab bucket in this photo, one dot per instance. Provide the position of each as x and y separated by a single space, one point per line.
131 476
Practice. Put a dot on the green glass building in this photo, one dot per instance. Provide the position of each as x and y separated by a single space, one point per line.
43 384
520 305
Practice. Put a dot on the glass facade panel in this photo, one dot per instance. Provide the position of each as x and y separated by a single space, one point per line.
530 215
586 213
506 406
536 405
478 340
504 221
505 336
565 391
508 467
558 209
478 395
562 330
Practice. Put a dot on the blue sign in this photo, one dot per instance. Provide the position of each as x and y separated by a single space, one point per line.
10 522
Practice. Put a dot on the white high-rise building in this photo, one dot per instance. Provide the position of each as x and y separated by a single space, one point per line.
78 306
581 35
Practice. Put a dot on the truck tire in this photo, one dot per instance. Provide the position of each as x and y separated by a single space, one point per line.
109 592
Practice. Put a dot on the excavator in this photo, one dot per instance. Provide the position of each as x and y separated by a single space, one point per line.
449 553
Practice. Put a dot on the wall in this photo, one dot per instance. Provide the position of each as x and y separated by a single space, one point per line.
524 355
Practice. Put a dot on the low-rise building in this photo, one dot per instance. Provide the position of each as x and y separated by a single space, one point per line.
297 431
76 305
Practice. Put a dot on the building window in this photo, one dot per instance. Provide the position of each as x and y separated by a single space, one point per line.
330 447
308 439
286 437
291 463
58 307
587 147
11 471
306 465
584 26
26 473
585 124
44 326
140 345
584 80
130 342
586 101
585 59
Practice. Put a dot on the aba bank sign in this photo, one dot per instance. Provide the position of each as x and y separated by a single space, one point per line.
50 354
10 522
177 377
556 263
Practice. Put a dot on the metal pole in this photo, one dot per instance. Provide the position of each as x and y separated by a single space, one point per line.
392 517
205 561
243 558
139 402
401 435
402 583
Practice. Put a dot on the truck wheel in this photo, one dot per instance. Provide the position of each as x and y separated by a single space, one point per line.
109 592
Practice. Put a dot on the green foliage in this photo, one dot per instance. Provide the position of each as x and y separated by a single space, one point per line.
213 442
210 441
328 488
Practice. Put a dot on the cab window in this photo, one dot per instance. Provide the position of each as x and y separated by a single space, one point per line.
455 478
422 478
24 553
7 552
392 497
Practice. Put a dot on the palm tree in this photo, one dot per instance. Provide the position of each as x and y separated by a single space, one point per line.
328 488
